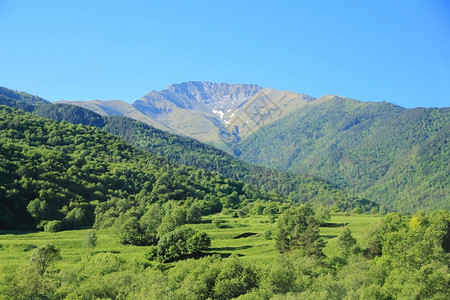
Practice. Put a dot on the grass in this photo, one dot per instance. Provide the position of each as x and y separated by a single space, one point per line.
17 247
358 224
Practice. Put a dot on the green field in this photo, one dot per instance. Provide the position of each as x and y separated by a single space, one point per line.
16 247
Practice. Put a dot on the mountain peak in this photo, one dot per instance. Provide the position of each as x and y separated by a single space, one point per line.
202 96
209 92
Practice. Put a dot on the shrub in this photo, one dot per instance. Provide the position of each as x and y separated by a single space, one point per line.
53 226
268 234
90 240
218 223
29 247
182 242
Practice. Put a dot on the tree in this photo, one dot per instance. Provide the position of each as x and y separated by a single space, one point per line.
182 242
150 222
310 241
234 279
377 233
129 230
346 243
90 240
43 256
323 214
194 214
175 217
298 228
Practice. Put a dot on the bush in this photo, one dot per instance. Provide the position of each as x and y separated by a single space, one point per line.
357 210
152 253
182 242
268 234
90 240
29 247
53 226
218 223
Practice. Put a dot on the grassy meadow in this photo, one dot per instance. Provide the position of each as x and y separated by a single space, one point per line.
16 247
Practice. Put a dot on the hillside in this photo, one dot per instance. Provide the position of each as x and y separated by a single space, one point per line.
398 157
297 188
379 151
20 100
115 108
52 171
189 152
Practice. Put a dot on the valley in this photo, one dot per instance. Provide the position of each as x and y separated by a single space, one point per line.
310 198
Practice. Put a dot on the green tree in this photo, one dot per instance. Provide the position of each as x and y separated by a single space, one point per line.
182 242
90 240
129 230
43 256
194 214
175 216
150 222
346 243
298 228
234 279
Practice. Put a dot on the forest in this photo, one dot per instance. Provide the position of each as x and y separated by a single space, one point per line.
394 156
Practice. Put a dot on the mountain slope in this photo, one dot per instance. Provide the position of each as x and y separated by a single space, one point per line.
190 152
60 171
195 108
396 156
115 108
20 100
297 188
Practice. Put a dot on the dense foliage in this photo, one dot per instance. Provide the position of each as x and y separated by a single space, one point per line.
70 113
193 153
60 174
395 156
20 100
299 229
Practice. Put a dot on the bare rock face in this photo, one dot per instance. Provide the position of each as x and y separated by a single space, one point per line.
217 98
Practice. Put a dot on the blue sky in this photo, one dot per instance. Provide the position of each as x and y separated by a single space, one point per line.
396 51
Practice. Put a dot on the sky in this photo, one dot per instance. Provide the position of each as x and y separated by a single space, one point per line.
395 51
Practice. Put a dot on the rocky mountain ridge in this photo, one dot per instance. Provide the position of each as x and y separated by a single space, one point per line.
217 113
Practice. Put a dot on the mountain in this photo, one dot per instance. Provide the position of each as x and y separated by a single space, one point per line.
190 152
197 109
380 151
396 156
219 114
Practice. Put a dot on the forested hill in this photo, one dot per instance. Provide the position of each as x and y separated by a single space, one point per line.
297 188
21 100
395 156
60 171
190 152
